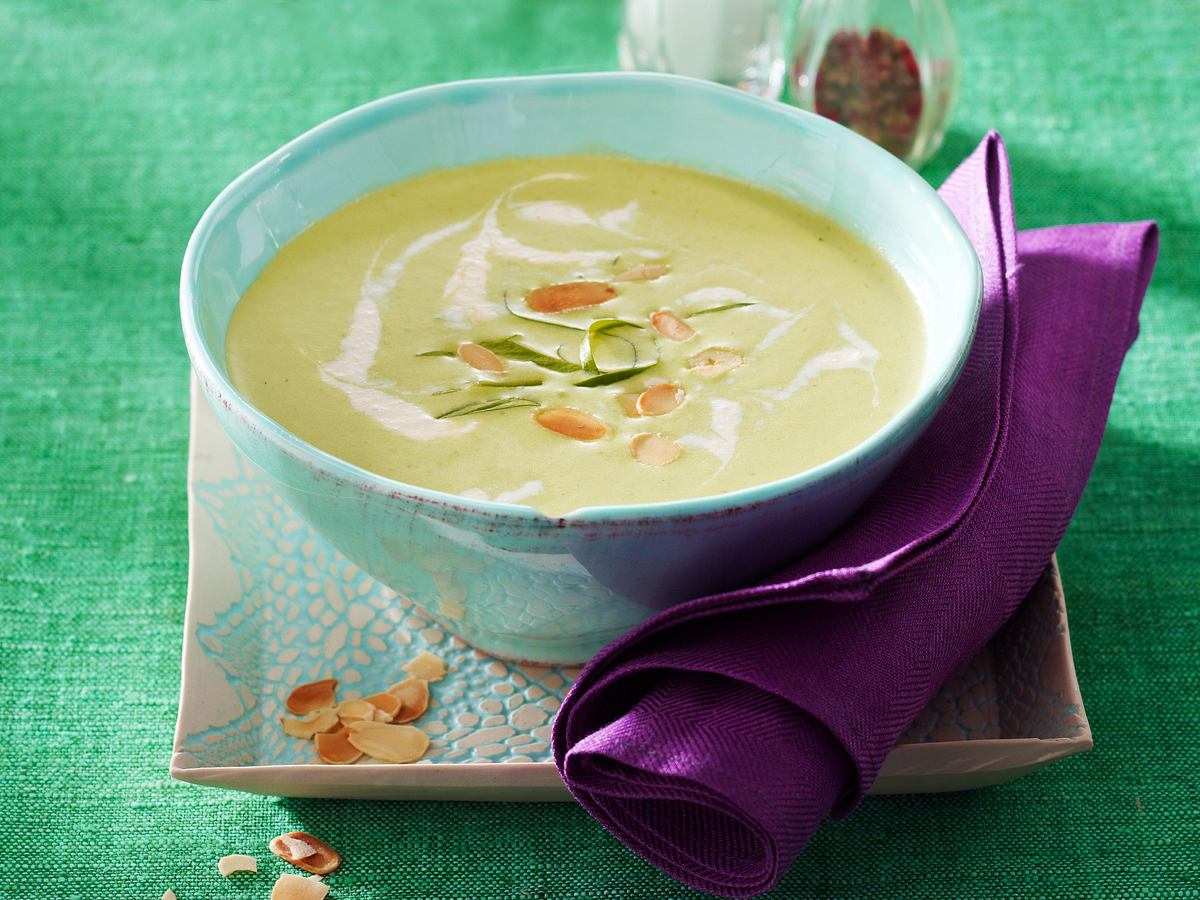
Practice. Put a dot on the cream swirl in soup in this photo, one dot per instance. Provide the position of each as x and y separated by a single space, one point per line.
577 331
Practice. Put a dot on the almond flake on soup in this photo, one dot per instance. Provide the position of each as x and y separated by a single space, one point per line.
570 295
654 449
671 326
660 399
571 423
480 358
643 273
714 362
628 404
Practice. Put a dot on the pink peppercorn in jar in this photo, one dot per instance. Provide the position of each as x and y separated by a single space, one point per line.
887 69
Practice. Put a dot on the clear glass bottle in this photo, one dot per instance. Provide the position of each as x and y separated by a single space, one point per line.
887 69
735 42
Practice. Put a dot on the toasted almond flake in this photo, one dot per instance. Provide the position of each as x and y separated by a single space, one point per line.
413 694
572 423
671 326
352 710
628 404
307 852
643 273
714 362
292 848
305 728
388 743
426 665
480 358
660 399
334 747
236 862
654 449
387 706
315 695
570 295
297 887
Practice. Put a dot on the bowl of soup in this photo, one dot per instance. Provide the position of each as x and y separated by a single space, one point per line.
548 355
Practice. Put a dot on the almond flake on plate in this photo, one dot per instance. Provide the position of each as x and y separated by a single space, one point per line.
387 706
425 665
353 710
305 728
388 743
308 698
335 748
413 694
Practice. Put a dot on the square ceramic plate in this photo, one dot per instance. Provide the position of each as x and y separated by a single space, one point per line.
271 604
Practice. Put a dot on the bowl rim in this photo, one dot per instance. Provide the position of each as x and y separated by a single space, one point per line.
915 413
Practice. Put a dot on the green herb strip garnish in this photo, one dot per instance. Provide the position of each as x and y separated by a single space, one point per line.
487 384
508 348
613 377
598 328
487 406
713 309
506 384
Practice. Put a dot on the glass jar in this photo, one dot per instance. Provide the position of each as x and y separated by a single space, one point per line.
734 42
887 69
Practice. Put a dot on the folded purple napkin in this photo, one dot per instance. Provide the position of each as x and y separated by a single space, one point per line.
714 739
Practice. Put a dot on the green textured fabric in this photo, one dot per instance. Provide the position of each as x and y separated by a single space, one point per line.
120 121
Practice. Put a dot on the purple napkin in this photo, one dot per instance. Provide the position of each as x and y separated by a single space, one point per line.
714 739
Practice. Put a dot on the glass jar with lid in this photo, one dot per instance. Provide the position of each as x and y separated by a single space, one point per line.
887 69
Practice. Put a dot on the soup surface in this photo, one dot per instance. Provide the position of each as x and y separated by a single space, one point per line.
576 331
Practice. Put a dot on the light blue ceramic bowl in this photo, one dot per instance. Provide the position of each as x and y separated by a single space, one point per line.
507 578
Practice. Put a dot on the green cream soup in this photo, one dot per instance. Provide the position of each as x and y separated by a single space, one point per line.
575 331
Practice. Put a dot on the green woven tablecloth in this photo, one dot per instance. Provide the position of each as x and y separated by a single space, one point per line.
120 121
